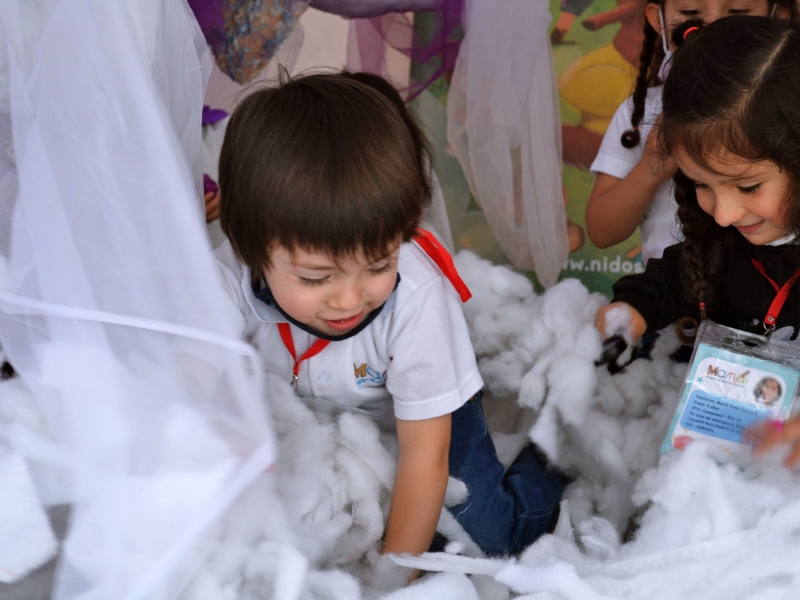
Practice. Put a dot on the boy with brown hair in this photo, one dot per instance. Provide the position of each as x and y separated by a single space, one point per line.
331 279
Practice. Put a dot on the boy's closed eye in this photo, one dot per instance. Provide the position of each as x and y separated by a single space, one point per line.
308 281
376 270
382 269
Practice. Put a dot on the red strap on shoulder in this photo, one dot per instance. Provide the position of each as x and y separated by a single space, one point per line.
433 248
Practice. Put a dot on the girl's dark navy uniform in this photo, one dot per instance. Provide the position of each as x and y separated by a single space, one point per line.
658 293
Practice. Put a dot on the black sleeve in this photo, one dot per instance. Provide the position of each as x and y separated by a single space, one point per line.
658 293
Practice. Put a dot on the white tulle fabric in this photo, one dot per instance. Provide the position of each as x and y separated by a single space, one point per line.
503 124
109 303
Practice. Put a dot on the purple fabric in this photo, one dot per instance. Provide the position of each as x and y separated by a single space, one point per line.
212 115
367 48
245 34
365 9
209 185
208 14
385 26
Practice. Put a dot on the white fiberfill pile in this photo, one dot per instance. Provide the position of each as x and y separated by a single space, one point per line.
696 529
681 526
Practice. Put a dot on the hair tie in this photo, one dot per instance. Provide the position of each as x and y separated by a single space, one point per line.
636 128
690 30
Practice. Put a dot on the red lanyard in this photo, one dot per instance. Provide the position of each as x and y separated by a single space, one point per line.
432 248
316 348
781 293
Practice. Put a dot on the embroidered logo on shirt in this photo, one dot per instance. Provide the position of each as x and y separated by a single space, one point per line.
367 375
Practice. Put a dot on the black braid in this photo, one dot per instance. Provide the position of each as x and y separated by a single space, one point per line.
705 246
631 137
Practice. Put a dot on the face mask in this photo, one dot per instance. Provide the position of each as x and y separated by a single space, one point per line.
667 62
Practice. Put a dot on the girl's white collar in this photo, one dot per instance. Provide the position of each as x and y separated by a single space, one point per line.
788 238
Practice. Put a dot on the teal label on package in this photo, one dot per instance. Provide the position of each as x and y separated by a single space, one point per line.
718 416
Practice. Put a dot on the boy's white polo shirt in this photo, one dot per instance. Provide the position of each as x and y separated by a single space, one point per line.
416 352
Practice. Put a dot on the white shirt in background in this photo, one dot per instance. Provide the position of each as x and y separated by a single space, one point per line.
660 224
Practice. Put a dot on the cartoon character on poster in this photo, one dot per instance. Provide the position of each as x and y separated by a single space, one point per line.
599 81
598 64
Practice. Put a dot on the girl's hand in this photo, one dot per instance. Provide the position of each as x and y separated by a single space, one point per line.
619 325
769 435
212 206
661 167
620 318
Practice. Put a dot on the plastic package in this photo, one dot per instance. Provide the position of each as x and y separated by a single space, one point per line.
735 380
504 125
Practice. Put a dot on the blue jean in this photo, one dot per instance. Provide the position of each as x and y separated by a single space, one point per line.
507 510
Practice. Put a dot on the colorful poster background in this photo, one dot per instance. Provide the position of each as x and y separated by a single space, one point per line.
595 74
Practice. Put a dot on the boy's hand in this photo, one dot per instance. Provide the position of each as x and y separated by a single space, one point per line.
212 206
768 435
419 485
619 325
385 574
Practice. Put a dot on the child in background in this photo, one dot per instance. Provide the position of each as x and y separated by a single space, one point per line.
330 278
214 123
434 215
734 140
634 183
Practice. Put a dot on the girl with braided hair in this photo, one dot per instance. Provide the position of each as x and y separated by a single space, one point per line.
633 186
731 123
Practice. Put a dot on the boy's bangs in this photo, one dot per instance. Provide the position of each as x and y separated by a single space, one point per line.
350 199
330 228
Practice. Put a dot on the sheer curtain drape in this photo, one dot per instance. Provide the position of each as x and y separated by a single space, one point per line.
504 125
109 303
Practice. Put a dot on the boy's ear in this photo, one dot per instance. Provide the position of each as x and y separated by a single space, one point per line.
651 14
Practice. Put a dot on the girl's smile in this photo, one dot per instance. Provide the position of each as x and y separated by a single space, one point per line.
747 195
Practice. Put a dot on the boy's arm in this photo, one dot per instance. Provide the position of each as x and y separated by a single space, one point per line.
419 486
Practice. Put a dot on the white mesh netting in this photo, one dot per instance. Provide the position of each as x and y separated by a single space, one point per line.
148 416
